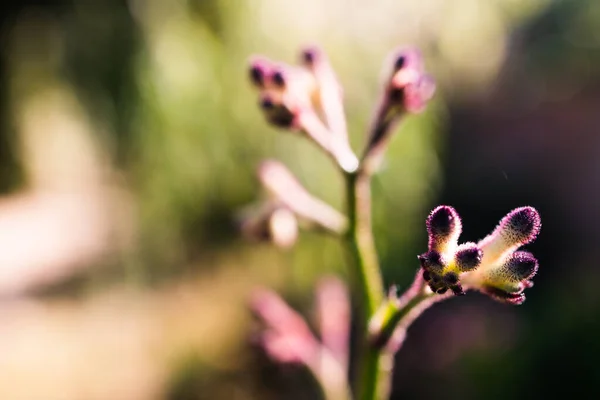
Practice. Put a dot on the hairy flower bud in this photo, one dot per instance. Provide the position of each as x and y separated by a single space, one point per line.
517 228
445 261
505 273
410 87
468 257
444 227
521 265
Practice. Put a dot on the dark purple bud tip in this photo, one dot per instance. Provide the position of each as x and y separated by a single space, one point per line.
283 118
431 261
523 224
457 290
435 278
266 103
309 56
451 278
442 221
399 62
278 79
468 257
426 276
522 265
442 290
396 95
257 75
436 283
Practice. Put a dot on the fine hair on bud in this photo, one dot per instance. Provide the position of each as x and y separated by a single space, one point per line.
443 226
431 261
451 278
521 265
468 257
521 225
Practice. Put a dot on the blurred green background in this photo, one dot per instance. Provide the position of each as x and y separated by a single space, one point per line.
129 138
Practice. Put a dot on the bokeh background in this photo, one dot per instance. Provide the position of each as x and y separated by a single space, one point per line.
129 138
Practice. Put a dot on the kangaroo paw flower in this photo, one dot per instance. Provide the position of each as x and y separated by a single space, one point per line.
504 273
292 97
446 260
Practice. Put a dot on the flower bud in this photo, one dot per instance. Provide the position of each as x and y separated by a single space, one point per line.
468 257
444 227
521 265
276 112
431 262
505 273
260 71
409 86
517 228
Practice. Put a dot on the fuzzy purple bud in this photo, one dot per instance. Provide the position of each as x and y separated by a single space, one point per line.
468 257
521 265
521 225
451 278
257 75
444 228
278 79
517 228
259 71
399 62
431 261
276 112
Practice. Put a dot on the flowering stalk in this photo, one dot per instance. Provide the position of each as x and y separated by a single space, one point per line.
361 249
295 98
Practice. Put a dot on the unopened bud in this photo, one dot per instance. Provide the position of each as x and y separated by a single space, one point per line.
444 228
517 228
468 257
521 265
431 262
276 112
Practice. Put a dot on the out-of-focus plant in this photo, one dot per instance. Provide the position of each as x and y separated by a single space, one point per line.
307 100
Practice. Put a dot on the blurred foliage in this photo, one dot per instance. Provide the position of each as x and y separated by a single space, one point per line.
163 83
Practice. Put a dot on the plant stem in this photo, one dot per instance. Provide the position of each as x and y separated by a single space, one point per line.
375 357
368 281
359 238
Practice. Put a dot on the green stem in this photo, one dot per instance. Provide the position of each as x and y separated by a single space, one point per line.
359 238
368 281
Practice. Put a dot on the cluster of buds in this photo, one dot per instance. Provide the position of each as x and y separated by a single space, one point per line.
407 89
493 266
294 97
307 99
